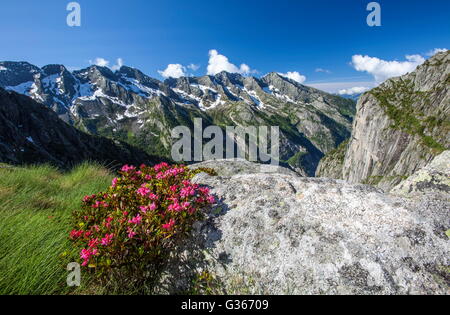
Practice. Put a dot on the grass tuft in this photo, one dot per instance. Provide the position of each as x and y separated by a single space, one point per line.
36 204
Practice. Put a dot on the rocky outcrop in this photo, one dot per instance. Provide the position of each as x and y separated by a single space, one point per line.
284 234
400 127
241 166
434 178
31 133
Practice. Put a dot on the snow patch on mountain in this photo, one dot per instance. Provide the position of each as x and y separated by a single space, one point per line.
137 87
23 88
255 98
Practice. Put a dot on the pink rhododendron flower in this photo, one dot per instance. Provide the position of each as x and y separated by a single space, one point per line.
143 191
168 226
151 207
211 199
187 191
186 205
93 243
128 168
175 207
114 182
136 220
144 209
99 204
131 233
76 234
89 198
85 254
159 167
107 239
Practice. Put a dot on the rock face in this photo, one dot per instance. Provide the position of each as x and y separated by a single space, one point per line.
399 128
284 234
332 164
129 106
434 178
31 133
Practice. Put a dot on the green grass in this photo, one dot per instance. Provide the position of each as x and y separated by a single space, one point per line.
35 208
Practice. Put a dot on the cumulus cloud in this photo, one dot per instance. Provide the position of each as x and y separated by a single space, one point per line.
435 51
382 69
101 62
353 90
296 76
218 63
323 70
118 64
173 71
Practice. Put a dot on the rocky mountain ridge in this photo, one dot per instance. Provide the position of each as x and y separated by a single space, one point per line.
130 106
31 133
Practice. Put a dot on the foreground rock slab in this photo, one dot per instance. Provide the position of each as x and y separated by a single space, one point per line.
284 234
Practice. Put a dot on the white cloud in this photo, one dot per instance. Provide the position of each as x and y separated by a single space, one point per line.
101 62
118 65
173 71
335 87
382 69
218 63
435 51
193 67
353 90
296 76
323 70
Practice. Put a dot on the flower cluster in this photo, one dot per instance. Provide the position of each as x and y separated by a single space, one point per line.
140 219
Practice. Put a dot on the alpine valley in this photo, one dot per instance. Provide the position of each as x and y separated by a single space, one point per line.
127 105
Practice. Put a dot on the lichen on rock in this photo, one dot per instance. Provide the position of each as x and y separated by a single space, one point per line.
285 234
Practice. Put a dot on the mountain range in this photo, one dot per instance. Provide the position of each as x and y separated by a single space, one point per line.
129 106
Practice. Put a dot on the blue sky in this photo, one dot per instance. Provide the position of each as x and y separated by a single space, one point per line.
283 35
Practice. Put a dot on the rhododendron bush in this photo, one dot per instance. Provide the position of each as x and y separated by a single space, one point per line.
130 230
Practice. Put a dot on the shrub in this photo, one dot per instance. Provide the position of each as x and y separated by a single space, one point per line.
128 233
